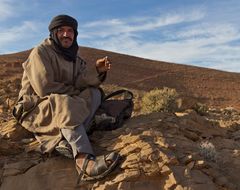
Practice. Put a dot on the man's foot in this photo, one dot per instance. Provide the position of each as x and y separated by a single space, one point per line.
80 158
93 169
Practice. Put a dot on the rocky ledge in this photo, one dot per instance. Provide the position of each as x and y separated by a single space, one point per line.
159 151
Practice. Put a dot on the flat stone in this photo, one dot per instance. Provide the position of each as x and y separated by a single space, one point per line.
162 143
154 156
130 139
191 165
165 170
129 149
130 160
119 178
18 167
132 174
150 169
187 159
127 176
173 161
199 164
112 147
145 153
170 182
181 114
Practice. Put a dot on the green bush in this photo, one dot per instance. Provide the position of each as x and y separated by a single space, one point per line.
160 100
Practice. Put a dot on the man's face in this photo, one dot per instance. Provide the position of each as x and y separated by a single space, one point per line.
65 35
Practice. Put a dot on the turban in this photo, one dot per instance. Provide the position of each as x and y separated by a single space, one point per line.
63 20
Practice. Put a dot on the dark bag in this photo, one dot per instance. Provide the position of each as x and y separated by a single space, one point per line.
113 112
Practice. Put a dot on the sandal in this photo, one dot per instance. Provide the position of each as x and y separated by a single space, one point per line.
100 168
64 148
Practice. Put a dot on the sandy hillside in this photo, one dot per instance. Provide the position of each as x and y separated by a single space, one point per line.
213 87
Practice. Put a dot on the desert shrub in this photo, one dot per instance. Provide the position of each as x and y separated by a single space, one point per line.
200 108
208 151
160 100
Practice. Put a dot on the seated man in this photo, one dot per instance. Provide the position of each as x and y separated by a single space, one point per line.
59 97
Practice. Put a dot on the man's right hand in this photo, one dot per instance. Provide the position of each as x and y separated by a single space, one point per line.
103 65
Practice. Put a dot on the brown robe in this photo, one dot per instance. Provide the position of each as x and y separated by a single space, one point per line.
55 94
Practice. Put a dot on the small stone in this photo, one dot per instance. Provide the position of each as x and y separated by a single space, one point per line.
127 175
143 145
170 182
199 164
162 143
187 172
173 161
26 141
191 165
147 133
130 149
132 157
130 139
132 174
146 154
150 169
155 156
187 159
236 153
119 178
165 169
114 146
130 160
181 114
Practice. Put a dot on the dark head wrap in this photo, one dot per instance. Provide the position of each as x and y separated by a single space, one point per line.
70 53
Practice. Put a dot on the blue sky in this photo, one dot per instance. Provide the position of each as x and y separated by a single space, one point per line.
204 33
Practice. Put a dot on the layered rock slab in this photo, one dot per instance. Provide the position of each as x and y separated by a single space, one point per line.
158 151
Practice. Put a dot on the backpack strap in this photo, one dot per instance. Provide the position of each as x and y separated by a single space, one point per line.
103 95
118 92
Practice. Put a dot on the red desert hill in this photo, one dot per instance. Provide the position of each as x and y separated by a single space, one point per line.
213 87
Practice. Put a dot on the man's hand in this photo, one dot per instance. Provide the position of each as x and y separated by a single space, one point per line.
103 65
